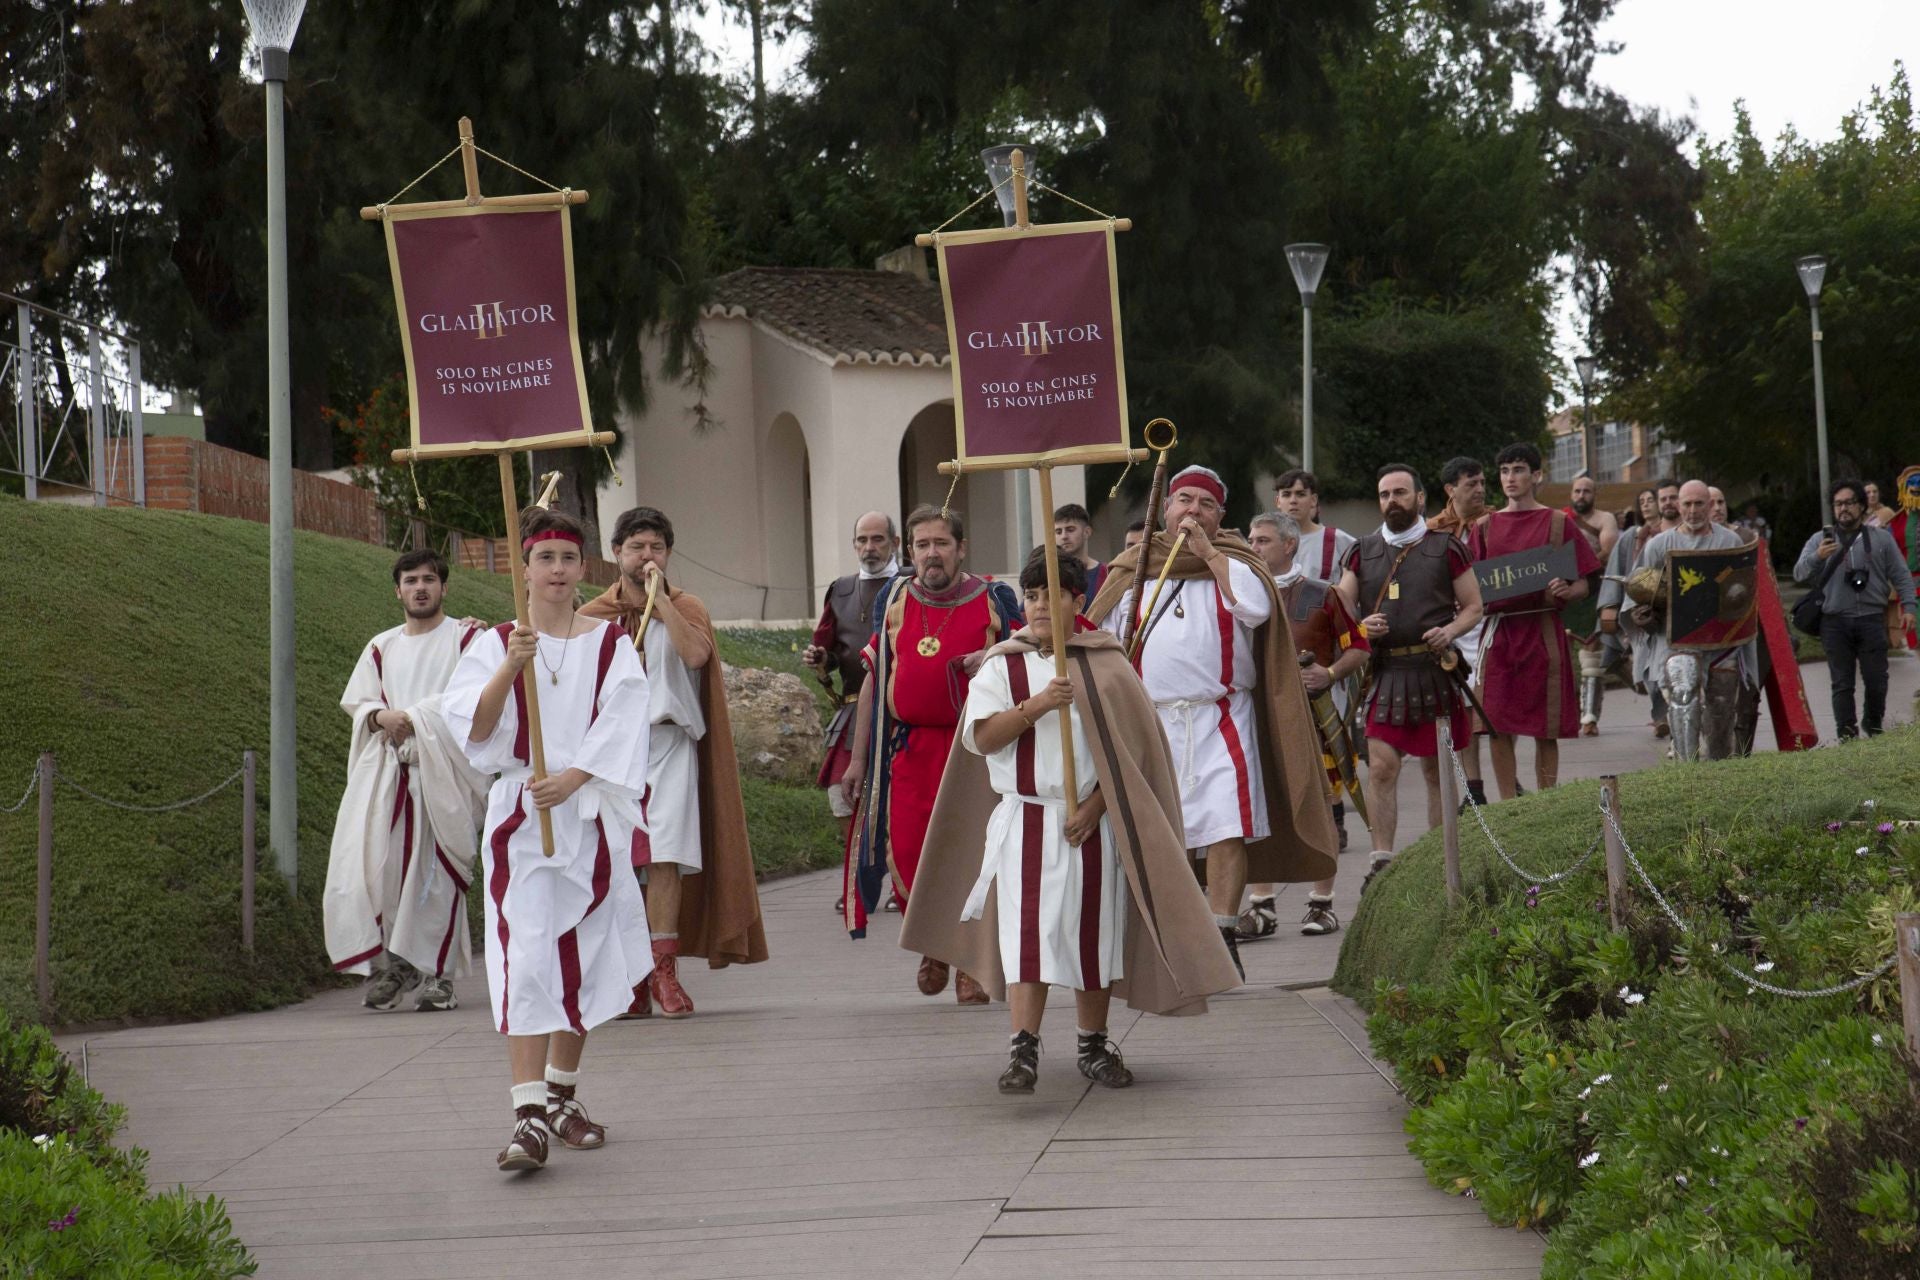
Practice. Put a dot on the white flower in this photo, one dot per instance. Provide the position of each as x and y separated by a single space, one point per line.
1753 991
1590 1159
1603 1077
1586 1092
1765 966
1625 991
1866 804
1680 1179
1634 997
1878 1039
42 1141
1663 1088
1862 851
1719 1151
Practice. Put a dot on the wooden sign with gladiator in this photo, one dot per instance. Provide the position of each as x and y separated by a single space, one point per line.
1039 377
484 290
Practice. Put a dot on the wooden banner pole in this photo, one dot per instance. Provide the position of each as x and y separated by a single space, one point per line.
1019 158
1062 623
536 745
1906 930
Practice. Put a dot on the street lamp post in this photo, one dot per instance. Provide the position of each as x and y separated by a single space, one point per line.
999 164
274 23
1307 262
1589 447
1813 273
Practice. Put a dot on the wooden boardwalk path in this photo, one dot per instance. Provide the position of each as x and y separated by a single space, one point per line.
820 1117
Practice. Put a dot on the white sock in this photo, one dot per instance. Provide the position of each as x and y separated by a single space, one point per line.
1084 1033
1227 922
531 1094
1324 899
562 1078
1379 858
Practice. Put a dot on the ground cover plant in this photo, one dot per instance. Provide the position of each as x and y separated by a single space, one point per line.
140 657
75 1207
1639 1094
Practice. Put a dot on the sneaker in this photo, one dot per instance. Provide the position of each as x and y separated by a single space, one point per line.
1023 1064
527 1149
436 995
1233 949
1259 920
1319 918
1101 1063
388 987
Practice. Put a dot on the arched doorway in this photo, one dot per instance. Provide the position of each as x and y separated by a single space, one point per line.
786 515
981 499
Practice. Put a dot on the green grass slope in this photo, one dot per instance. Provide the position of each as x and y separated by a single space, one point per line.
1403 931
141 659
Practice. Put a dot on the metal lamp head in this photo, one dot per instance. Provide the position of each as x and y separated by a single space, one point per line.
1586 367
999 163
1813 273
1308 261
274 23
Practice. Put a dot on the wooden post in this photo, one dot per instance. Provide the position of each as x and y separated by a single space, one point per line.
1616 855
1449 810
510 495
1906 938
1019 158
1057 607
248 770
469 162
43 894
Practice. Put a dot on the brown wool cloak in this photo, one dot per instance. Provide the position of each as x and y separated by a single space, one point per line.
720 906
1175 957
1303 843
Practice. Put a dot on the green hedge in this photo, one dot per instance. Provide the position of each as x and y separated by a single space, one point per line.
75 1207
140 656
1657 1114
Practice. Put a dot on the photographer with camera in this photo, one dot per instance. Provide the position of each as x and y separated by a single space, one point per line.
1858 569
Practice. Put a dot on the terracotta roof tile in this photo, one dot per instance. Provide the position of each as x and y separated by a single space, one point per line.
880 317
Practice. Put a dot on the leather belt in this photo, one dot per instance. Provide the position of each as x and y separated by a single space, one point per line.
1406 651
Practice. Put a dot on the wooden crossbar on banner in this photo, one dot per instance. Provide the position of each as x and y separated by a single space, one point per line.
505 451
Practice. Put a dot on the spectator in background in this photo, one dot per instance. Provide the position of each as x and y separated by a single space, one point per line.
1854 626
1754 522
1879 514
1136 534
1072 526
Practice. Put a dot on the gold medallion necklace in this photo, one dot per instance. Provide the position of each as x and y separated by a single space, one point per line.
929 644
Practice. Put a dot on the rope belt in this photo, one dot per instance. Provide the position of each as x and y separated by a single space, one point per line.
1186 707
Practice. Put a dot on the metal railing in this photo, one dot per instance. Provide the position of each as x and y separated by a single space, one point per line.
73 423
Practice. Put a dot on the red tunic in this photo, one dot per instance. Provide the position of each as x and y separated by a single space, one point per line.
924 695
1527 678
1905 529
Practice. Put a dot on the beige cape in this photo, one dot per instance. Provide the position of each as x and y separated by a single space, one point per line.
1303 844
1175 957
719 906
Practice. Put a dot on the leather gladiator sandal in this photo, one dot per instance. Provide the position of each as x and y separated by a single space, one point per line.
932 978
568 1120
642 1006
1259 920
1101 1063
1023 1064
664 981
527 1149
967 991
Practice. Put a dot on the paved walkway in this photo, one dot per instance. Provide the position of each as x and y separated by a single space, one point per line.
819 1117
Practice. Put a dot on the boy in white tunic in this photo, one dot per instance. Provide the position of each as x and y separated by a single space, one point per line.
406 836
1062 903
566 936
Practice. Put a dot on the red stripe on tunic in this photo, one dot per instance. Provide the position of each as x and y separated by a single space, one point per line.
351 961
497 886
1230 732
569 944
1022 689
403 816
1033 834
466 637
640 851
379 669
1329 540
1090 913
610 636
454 912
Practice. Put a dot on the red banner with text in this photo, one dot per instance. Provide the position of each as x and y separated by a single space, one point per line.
486 305
1033 323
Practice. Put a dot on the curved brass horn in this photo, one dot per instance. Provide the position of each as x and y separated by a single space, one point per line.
1173 435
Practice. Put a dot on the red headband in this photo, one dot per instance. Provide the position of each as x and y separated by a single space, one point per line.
552 535
1199 478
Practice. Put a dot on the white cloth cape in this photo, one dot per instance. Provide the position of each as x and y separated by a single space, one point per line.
673 753
380 894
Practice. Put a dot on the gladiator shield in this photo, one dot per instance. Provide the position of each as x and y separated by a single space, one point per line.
1336 740
1710 597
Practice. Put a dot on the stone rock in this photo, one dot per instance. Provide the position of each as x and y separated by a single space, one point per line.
777 733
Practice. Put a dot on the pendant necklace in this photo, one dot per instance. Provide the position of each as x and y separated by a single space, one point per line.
930 644
553 672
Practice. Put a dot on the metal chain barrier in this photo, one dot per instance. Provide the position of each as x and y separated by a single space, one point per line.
1726 966
32 783
152 808
1532 877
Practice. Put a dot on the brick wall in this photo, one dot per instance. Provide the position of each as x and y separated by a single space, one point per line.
192 475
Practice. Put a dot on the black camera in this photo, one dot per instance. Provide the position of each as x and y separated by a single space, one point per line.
1857 579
